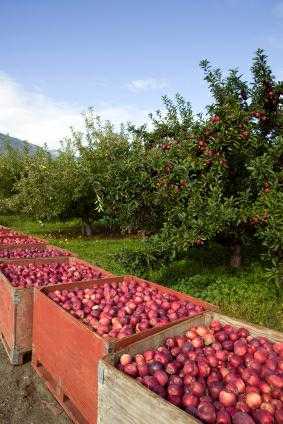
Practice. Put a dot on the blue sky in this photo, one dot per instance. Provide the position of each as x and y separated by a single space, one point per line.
59 57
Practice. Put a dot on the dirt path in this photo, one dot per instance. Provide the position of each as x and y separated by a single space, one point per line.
23 398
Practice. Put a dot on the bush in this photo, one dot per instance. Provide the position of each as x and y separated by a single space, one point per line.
247 294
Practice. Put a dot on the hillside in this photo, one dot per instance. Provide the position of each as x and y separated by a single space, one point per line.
16 143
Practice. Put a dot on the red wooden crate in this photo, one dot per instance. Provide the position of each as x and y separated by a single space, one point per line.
16 310
66 351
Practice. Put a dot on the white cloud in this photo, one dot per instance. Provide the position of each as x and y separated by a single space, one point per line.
148 84
278 10
33 116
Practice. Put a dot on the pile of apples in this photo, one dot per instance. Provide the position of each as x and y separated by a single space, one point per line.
17 240
33 252
4 232
39 275
219 374
121 309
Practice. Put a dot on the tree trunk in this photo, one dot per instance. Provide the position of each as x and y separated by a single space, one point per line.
87 229
236 258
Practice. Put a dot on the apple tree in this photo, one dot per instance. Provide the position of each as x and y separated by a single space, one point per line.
222 173
11 166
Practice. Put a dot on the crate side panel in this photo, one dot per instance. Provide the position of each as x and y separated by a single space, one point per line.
23 320
130 403
7 312
70 352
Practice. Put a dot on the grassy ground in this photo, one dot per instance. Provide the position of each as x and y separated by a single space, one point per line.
246 293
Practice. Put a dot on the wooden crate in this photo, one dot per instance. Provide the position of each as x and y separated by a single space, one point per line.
38 246
66 351
132 403
16 310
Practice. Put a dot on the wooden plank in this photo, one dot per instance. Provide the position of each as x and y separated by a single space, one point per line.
7 311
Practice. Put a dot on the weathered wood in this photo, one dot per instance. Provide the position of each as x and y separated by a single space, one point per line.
15 356
130 402
58 392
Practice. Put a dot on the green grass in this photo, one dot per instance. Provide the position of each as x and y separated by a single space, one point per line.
246 293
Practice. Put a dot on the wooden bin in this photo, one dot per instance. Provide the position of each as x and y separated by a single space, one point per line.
143 406
16 310
40 246
66 352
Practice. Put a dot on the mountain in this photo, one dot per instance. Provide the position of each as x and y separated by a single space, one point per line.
16 143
